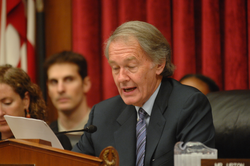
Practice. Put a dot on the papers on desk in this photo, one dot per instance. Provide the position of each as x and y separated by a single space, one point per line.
29 128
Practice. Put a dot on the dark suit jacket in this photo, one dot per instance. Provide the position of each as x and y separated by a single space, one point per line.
180 113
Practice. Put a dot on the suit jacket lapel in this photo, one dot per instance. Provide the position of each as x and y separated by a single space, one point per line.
157 119
125 136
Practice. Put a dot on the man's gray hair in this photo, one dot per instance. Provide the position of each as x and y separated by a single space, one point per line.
150 39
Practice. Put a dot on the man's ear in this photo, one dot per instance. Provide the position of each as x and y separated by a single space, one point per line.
26 100
86 84
160 68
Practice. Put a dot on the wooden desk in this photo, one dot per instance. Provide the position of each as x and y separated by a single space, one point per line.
17 151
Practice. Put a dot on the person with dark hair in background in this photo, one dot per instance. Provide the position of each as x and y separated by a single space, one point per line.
18 97
68 84
201 82
153 111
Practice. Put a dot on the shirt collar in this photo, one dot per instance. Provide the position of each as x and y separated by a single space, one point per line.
148 106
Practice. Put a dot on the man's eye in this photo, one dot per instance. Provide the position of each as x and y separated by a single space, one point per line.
53 82
69 79
115 68
132 68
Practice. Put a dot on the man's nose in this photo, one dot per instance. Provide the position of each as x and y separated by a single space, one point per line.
60 87
123 76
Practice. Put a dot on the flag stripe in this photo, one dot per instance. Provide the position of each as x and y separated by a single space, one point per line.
18 35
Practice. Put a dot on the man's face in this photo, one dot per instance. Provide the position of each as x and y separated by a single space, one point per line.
134 73
65 86
197 83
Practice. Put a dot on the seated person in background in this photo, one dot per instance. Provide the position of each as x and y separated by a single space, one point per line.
201 82
153 112
18 97
68 84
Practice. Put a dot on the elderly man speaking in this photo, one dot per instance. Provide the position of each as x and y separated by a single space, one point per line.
153 111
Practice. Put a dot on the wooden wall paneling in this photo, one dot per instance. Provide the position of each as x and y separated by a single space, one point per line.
58 35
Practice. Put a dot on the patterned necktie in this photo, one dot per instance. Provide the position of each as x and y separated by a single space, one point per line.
141 138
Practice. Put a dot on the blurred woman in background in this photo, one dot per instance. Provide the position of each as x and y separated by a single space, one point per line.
18 97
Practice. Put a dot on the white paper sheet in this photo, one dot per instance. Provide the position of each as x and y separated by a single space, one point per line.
29 128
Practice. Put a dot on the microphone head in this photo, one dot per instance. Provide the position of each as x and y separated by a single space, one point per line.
91 129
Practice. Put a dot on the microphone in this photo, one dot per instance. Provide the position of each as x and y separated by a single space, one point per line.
89 129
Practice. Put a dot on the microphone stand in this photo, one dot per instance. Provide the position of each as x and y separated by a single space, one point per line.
71 131
89 129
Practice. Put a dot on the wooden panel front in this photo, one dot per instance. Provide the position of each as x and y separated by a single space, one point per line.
31 153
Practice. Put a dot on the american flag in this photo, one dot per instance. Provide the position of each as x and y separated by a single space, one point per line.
18 35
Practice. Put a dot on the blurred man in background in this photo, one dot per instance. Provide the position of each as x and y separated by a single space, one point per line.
68 84
201 82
